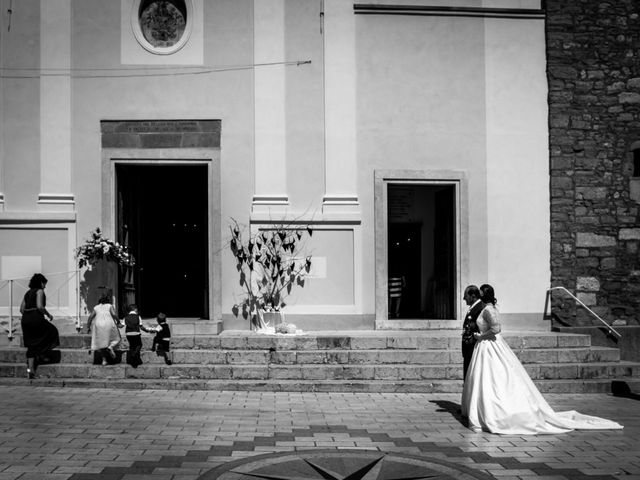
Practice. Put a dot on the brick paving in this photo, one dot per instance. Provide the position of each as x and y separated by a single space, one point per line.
99 434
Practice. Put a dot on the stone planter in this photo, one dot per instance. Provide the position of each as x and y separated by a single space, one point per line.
100 277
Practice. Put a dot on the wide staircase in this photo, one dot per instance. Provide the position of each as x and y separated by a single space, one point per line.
356 361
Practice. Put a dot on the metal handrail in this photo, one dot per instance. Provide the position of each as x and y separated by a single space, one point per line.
12 281
609 327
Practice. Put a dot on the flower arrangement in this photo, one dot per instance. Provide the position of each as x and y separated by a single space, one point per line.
270 264
98 247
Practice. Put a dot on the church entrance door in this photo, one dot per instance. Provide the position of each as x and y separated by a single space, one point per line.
421 255
162 215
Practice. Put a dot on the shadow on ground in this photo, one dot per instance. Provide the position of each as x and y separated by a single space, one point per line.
452 408
621 388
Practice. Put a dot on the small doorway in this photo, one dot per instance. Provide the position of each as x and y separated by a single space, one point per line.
421 251
162 216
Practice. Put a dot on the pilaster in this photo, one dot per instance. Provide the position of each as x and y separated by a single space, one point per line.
55 107
270 190
3 42
340 108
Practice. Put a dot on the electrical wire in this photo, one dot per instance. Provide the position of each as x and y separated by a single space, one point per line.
69 72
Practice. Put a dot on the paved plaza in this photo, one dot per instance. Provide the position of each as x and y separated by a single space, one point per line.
83 434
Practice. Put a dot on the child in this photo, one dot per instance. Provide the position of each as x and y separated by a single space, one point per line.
132 330
162 339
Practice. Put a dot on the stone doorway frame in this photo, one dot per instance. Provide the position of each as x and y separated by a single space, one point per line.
172 156
458 180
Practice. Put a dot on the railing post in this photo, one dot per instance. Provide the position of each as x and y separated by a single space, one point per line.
547 301
78 321
11 309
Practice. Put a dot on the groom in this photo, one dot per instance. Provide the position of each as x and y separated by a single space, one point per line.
469 327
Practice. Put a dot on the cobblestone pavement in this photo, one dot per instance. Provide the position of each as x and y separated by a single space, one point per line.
83 434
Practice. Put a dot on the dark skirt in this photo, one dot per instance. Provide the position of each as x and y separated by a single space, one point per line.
38 334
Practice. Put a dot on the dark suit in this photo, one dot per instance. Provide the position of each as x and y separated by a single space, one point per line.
132 330
469 327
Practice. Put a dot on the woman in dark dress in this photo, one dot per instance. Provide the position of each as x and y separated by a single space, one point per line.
39 335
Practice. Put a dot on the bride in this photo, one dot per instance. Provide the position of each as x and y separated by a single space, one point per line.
499 396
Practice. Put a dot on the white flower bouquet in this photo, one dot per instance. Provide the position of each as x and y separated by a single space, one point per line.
98 247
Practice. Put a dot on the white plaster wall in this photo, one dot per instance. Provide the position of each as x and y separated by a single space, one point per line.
421 106
55 99
225 95
304 107
228 96
517 164
333 282
433 93
45 243
464 94
20 108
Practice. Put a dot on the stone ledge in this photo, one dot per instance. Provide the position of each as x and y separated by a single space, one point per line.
37 217
444 386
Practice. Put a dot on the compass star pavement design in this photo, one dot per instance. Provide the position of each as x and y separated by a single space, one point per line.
386 461
341 465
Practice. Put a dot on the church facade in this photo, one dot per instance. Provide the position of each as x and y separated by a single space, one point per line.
412 137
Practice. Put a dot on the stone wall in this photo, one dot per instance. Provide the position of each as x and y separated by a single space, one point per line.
593 54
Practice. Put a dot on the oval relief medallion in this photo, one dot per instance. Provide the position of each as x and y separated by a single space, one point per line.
162 26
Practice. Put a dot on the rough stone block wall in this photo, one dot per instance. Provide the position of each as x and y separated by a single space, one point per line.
593 69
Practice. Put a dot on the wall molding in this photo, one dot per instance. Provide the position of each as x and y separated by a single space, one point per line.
447 11
36 217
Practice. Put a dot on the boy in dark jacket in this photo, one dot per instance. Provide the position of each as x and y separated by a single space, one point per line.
162 340
132 331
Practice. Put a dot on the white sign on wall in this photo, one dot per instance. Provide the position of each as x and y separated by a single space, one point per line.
19 267
318 267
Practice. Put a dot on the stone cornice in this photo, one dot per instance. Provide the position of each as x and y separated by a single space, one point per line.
36 217
448 11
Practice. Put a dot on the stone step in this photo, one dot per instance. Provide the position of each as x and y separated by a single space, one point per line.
368 386
431 340
68 325
376 361
357 357
401 373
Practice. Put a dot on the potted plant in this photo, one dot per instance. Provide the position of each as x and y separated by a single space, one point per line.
270 263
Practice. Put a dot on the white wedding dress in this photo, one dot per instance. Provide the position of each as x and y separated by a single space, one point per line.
499 396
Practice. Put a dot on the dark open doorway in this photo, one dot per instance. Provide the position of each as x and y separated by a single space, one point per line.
162 215
421 251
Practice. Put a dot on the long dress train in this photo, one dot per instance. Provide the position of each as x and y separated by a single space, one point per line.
500 397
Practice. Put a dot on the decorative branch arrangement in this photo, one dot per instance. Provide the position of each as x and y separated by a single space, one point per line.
270 263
